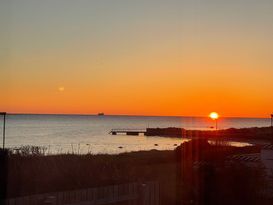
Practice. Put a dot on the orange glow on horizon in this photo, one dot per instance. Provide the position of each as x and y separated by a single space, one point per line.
152 63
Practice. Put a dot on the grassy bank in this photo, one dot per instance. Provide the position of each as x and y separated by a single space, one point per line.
36 173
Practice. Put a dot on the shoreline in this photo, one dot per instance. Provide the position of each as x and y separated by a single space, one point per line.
174 137
253 133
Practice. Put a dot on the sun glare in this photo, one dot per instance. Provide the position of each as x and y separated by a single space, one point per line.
214 115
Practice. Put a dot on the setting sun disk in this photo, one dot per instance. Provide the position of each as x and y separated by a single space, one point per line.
214 115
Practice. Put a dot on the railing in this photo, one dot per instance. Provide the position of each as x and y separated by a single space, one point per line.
131 194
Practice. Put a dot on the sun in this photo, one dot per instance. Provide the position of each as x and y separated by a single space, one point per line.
214 115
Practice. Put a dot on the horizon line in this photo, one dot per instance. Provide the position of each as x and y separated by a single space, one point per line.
133 115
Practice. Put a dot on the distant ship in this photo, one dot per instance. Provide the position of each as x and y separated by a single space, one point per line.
100 114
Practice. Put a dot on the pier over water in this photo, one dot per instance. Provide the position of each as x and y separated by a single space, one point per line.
128 131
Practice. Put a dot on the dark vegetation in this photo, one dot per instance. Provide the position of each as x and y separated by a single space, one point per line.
257 133
35 173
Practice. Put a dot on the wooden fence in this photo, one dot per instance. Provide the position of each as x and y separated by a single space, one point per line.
129 194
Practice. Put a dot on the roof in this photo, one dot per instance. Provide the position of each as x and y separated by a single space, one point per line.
268 147
256 157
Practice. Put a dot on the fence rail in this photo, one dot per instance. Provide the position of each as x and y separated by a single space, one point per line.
131 194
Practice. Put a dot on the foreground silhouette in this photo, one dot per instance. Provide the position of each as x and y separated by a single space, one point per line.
197 172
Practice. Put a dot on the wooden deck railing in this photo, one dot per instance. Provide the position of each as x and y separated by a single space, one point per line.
131 194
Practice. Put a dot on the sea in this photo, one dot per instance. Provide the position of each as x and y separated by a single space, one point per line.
90 133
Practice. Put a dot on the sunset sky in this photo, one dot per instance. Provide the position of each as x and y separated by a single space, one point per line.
142 57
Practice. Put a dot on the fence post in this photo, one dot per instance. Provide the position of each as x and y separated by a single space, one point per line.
143 194
3 174
50 200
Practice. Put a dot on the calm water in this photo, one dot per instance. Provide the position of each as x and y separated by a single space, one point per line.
78 133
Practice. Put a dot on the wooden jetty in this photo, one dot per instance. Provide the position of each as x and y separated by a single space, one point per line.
170 131
128 131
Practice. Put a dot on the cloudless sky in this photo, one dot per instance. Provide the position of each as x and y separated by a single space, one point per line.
143 57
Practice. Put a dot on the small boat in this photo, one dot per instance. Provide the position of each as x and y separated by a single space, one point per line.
100 114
